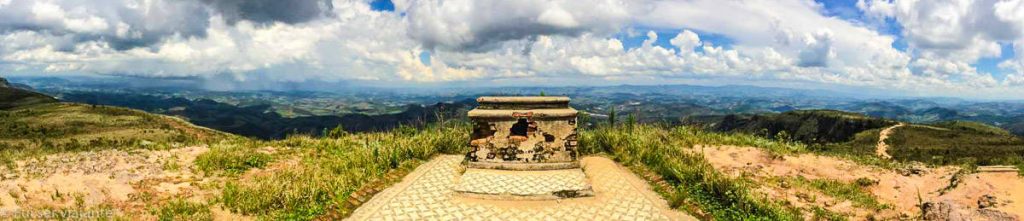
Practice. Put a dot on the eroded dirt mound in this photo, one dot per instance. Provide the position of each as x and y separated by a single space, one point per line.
129 182
901 191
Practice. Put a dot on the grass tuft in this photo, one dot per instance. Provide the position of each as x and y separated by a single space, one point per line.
181 209
231 159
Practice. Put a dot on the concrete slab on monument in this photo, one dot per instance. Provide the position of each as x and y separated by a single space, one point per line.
524 185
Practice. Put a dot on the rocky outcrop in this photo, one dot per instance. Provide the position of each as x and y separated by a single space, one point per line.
948 210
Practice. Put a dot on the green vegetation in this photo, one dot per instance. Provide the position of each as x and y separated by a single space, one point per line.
852 191
59 127
181 209
807 126
956 143
257 119
962 143
861 150
693 183
819 213
330 170
973 126
323 173
318 176
232 159
14 97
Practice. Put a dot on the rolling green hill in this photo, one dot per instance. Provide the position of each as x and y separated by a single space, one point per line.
57 127
808 126
943 143
956 142
11 96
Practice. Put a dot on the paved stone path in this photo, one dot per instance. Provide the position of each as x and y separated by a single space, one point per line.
520 183
428 194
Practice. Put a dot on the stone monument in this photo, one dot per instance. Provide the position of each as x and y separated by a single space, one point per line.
523 147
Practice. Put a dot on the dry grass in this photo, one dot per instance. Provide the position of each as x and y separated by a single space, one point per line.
332 169
693 184
61 127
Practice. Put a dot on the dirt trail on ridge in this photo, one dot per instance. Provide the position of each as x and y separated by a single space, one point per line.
882 149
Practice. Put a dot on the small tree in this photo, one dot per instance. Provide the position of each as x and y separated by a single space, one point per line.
611 117
542 94
584 120
337 132
630 120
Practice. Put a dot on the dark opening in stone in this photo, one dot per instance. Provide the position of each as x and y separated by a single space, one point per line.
520 128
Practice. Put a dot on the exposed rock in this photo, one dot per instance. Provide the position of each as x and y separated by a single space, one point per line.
951 211
987 201
915 169
995 215
944 210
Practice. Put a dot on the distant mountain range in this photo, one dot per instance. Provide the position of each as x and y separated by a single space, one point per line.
258 121
672 104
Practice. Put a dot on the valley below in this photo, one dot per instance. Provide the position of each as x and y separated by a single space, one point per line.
162 157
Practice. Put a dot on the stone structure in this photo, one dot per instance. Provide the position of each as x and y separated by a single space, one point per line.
523 133
523 148
523 166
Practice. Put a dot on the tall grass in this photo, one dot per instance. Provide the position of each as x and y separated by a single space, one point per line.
231 158
332 169
694 182
181 209
852 191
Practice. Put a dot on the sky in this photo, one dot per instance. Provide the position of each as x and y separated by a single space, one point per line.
952 48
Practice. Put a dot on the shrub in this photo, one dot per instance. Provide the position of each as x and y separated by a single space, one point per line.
853 192
231 158
180 209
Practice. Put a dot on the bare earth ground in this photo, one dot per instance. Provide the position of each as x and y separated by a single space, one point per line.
893 188
127 183
427 194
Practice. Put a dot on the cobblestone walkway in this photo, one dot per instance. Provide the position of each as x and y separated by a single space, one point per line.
428 194
519 183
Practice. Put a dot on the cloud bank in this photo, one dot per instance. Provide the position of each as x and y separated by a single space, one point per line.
942 48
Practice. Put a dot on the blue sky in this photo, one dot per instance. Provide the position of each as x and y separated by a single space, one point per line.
926 48
848 10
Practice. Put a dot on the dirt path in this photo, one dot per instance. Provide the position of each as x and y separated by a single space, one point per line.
899 189
882 150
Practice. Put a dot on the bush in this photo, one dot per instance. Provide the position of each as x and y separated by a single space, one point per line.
854 192
231 158
180 209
